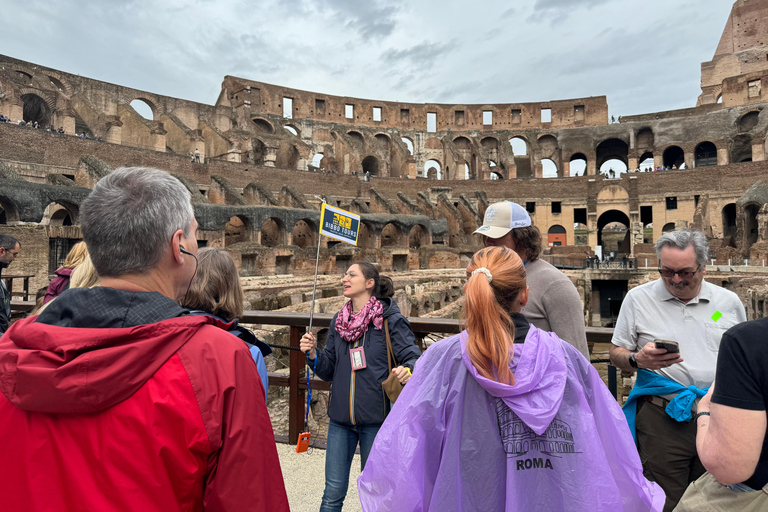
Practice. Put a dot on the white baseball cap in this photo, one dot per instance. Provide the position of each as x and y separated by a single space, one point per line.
501 218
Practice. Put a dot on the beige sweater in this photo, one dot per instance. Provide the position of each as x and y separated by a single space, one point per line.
554 304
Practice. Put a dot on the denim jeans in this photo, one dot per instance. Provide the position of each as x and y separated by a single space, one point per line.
342 442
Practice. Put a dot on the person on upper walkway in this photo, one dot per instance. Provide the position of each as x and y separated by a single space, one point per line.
554 304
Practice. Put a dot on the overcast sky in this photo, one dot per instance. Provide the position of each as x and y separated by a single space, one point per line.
645 56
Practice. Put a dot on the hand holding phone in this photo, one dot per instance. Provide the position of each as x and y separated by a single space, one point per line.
669 346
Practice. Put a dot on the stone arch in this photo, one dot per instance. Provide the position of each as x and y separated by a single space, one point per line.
292 129
669 226
433 143
705 154
287 156
9 212
644 140
612 149
391 236
520 145
490 143
496 176
549 168
645 162
748 121
408 144
383 140
556 235
357 138
317 160
548 146
418 237
37 109
262 125
741 148
272 232
364 238
371 165
462 142
578 164
673 156
237 229
60 84
433 169
140 104
609 217
303 233
728 216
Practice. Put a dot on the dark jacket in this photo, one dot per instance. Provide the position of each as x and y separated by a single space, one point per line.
58 284
126 405
369 405
5 307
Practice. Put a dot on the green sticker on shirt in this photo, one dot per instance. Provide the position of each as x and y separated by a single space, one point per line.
716 316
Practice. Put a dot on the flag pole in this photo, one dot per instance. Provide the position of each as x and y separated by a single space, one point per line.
317 266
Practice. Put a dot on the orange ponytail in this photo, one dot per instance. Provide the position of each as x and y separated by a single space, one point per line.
487 309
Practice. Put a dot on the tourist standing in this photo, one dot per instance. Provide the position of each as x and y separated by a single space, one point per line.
113 398
554 304
355 359
504 416
9 250
682 308
58 284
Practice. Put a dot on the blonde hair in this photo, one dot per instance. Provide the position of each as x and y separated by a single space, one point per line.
487 308
84 275
216 287
76 255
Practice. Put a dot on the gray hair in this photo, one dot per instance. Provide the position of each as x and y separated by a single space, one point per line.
129 218
682 240
8 242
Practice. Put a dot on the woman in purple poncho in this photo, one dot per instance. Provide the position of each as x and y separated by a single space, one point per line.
504 416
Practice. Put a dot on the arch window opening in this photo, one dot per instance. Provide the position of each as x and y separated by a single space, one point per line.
317 160
390 236
548 168
409 144
496 176
646 162
613 168
556 236
57 214
143 108
519 146
236 230
669 226
272 233
729 220
371 166
291 129
705 155
578 165
613 233
432 169
303 234
674 158
36 110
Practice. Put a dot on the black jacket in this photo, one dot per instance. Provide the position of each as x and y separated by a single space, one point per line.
369 405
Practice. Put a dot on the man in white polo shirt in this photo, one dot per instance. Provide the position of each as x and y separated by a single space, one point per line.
683 308
553 304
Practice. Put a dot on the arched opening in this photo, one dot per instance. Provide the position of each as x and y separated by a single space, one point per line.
741 148
59 214
408 143
303 234
272 233
519 146
462 143
236 230
556 236
669 226
371 165
383 140
36 110
646 162
57 84
417 237
357 139
496 176
432 170
705 155
390 236
748 121
8 211
548 168
578 164
613 168
729 220
612 232
612 149
750 225
719 98
467 174
317 161
262 125
291 129
143 108
644 140
673 157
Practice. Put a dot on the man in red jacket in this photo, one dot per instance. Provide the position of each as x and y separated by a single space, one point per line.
114 399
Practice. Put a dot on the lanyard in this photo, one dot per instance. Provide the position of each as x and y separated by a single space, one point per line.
309 386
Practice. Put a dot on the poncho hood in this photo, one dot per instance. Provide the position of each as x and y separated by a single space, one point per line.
540 371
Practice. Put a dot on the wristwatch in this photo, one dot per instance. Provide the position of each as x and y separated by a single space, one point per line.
632 360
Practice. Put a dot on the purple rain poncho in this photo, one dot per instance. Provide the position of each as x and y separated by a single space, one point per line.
555 441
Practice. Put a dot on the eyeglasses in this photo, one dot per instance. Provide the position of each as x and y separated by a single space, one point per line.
684 274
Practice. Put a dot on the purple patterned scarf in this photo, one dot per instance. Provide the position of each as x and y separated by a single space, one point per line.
351 326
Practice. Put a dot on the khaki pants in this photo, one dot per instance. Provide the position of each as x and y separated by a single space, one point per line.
668 451
707 495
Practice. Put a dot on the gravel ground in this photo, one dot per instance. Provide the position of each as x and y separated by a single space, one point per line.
304 476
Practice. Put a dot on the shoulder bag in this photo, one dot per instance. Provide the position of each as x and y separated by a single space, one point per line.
392 386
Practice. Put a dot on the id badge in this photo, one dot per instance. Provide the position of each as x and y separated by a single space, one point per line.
357 358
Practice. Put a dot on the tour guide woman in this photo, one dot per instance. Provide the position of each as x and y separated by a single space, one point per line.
355 359
505 416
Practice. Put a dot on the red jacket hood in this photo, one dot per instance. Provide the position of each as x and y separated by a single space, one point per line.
51 369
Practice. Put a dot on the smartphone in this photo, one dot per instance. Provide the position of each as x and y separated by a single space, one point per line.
303 443
670 346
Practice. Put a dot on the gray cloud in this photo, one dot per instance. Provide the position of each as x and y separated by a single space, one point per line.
556 11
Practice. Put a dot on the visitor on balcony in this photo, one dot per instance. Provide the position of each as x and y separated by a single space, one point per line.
355 359
504 416
216 292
